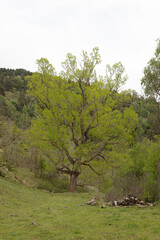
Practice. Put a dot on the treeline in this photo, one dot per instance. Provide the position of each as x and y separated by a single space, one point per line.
11 79
15 104
83 126
148 110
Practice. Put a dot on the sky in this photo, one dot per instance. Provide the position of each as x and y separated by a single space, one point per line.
123 30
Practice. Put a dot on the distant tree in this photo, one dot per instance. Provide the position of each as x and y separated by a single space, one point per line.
146 108
151 81
8 83
3 106
151 78
2 92
27 101
151 84
14 79
18 83
77 116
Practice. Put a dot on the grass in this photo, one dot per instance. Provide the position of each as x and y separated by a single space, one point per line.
35 214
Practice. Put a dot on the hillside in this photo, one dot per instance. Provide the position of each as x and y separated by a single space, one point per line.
36 214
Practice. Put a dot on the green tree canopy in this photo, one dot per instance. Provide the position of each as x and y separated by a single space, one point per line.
78 117
115 76
151 79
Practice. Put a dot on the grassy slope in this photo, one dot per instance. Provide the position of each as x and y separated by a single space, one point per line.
61 216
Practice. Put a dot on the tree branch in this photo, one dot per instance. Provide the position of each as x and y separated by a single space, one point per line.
68 155
67 170
106 160
99 151
88 165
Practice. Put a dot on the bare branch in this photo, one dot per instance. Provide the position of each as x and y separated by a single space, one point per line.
100 150
68 155
106 160
88 165
95 154
62 170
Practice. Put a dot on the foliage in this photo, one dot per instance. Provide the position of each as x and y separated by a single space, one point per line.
11 151
115 76
138 173
82 124
148 115
3 105
57 184
77 116
151 79
11 79
19 109
8 133
2 92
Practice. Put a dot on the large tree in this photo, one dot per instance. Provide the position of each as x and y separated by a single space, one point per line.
78 117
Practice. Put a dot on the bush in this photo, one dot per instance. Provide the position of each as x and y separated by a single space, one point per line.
45 184
137 175
53 182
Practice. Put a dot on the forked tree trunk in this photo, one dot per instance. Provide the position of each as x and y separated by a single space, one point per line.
73 182
159 177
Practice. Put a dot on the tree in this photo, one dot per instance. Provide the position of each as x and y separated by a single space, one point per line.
138 173
115 76
159 177
2 92
9 136
146 108
77 116
13 79
151 79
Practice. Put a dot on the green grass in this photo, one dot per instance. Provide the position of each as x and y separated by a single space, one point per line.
34 214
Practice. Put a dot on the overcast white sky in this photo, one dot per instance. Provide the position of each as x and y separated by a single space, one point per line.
124 30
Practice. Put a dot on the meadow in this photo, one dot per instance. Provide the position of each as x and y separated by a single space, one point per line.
27 214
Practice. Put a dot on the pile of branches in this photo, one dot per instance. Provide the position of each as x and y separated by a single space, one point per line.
127 201
93 202
131 201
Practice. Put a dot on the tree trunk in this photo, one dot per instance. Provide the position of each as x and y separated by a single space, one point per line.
73 181
36 164
159 177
